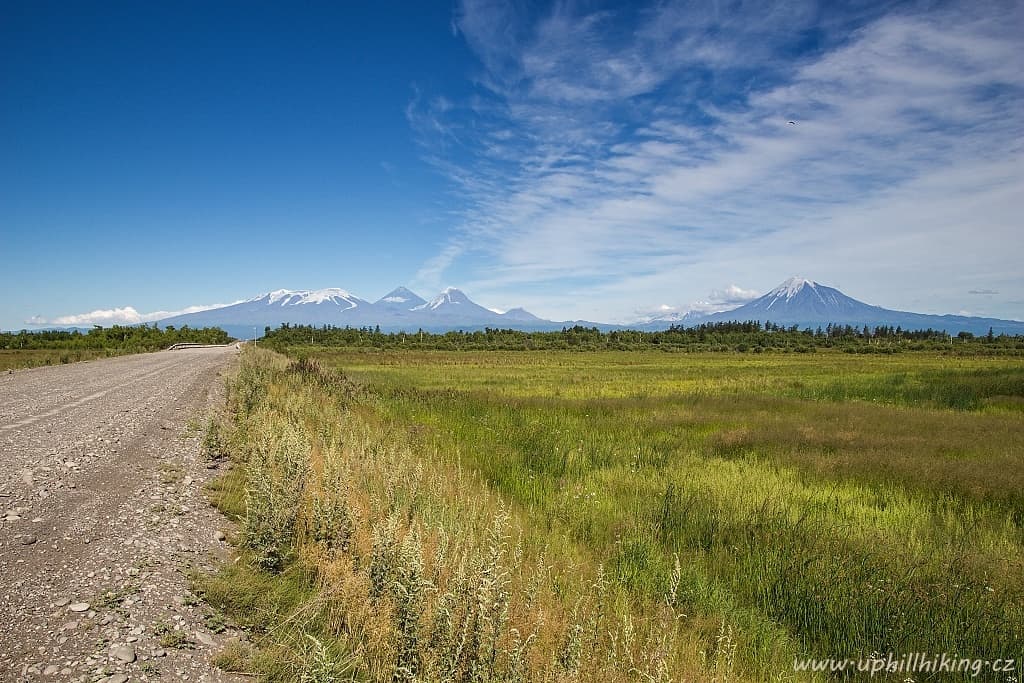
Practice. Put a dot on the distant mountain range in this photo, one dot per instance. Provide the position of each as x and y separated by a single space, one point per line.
796 301
399 310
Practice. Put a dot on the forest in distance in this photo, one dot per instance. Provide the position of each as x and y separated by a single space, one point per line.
57 347
742 337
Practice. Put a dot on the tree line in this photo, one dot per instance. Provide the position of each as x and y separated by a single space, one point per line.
118 337
750 336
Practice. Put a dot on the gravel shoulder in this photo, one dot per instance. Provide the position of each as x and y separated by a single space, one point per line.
102 517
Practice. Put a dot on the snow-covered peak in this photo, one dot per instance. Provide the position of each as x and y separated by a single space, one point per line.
792 287
318 296
450 295
289 297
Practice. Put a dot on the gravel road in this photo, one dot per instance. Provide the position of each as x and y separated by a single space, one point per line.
102 515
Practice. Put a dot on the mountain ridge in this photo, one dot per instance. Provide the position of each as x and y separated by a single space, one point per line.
796 301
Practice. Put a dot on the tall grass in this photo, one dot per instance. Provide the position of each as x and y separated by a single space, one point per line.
364 556
886 517
627 516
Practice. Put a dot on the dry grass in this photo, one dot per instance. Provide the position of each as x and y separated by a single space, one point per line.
391 565
621 516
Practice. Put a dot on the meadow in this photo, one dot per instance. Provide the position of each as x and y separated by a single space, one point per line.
438 515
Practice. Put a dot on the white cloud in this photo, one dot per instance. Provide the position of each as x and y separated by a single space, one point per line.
734 295
600 167
115 316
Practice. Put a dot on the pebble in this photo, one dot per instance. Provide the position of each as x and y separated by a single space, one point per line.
89 647
123 653
205 639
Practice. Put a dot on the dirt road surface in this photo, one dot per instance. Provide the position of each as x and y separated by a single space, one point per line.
103 516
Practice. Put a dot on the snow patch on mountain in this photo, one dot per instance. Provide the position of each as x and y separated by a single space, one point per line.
290 297
792 287
450 295
319 296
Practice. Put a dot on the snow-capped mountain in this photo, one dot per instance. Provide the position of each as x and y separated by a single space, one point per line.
445 300
799 299
287 297
805 303
305 307
399 309
454 307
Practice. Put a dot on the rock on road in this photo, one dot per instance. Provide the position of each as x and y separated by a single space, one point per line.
102 515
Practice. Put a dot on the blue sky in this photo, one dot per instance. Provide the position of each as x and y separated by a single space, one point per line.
584 160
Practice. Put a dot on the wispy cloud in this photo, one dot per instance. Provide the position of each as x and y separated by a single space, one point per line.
115 316
619 157
431 273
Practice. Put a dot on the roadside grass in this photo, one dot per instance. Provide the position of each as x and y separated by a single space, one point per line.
619 516
33 358
364 557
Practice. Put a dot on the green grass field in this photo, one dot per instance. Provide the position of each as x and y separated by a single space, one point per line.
773 506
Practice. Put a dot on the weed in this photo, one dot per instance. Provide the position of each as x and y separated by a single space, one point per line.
176 639
235 657
215 622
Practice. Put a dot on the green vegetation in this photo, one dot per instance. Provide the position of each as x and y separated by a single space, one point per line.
27 349
622 516
743 337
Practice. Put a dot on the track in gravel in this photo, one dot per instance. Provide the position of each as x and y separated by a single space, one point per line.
103 516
